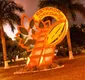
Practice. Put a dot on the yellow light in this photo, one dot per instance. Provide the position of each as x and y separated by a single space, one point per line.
46 38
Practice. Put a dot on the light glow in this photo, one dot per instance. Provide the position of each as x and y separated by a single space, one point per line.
46 37
8 31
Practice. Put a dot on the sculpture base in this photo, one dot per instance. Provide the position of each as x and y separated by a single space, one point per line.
38 69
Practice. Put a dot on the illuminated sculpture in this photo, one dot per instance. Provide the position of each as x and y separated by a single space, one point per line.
40 38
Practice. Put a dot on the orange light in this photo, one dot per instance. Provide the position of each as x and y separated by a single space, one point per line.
44 38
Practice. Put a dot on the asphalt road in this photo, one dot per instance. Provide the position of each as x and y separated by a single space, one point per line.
72 70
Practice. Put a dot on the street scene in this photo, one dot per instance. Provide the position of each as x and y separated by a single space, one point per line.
42 39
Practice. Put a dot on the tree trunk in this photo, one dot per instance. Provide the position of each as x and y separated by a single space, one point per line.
4 48
69 45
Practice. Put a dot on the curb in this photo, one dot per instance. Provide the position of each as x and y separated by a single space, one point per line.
66 58
13 66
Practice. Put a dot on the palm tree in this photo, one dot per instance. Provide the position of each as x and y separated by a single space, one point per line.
68 7
8 15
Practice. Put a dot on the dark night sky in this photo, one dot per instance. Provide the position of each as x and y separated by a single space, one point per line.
30 7
79 18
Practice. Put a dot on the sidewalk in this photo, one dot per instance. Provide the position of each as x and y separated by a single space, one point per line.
21 62
72 70
18 63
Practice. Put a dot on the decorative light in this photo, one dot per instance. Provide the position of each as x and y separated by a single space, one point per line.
44 37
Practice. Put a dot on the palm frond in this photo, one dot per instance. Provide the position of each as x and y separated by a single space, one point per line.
66 6
79 7
7 11
11 6
45 3
11 25
72 13
13 17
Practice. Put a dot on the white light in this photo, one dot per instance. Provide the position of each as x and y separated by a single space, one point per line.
8 31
